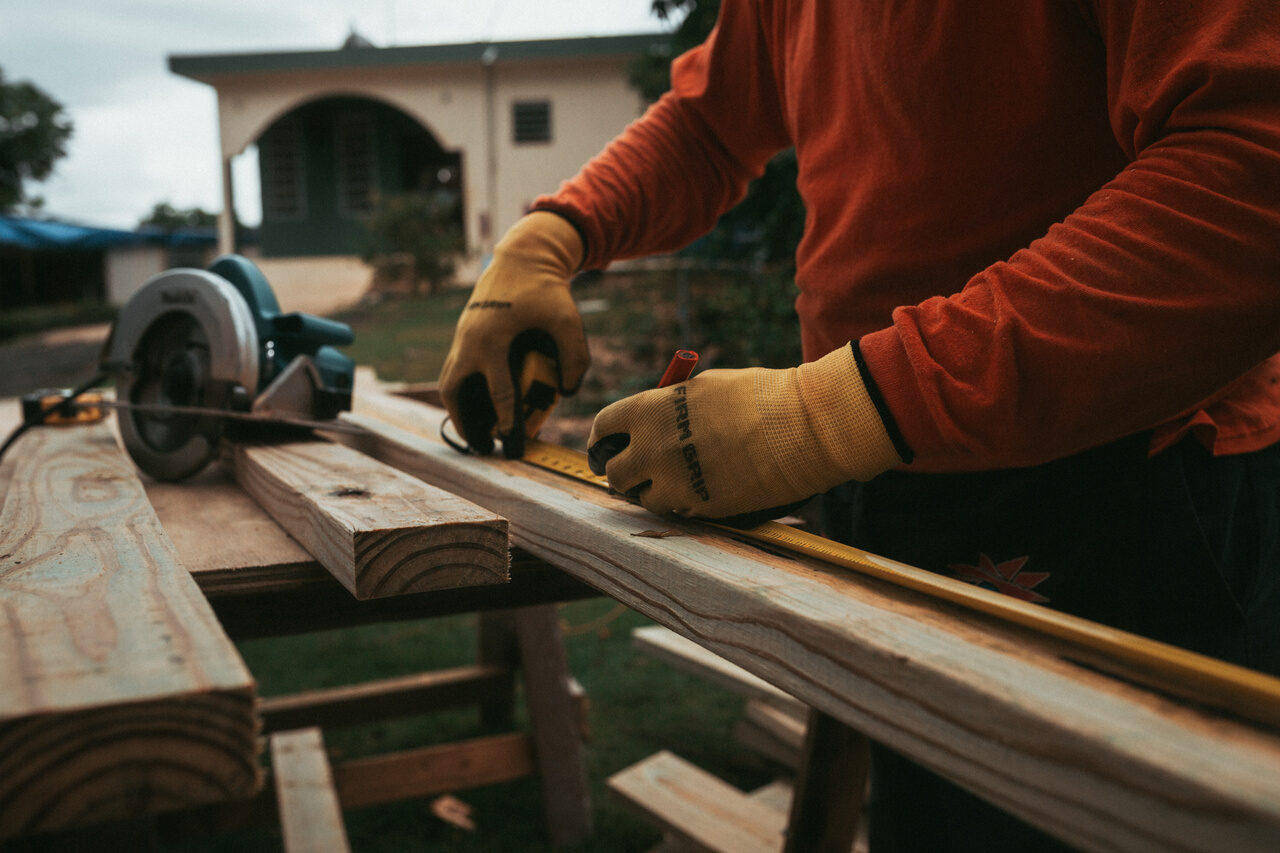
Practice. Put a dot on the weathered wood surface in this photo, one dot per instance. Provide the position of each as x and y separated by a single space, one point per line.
310 816
403 696
433 770
771 731
1101 763
378 531
119 693
686 655
229 543
261 582
697 808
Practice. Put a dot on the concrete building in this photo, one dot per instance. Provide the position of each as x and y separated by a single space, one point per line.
489 125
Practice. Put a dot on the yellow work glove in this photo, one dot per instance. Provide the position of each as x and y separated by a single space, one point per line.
519 342
733 442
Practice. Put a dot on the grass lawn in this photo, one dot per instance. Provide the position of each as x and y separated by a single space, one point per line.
638 705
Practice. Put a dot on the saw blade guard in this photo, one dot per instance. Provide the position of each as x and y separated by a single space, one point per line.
187 338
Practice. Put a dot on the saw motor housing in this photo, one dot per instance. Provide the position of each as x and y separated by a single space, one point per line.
216 339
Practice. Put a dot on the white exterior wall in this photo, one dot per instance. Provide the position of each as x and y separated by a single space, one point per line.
588 109
468 108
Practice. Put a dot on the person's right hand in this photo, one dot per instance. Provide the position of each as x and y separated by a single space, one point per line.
520 309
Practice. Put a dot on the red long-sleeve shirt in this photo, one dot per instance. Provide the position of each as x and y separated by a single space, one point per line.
1047 223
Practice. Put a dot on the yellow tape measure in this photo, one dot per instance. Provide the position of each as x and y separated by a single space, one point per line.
1245 692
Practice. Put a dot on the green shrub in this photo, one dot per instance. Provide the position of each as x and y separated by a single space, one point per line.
420 229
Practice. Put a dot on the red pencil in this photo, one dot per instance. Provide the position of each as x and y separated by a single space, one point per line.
681 366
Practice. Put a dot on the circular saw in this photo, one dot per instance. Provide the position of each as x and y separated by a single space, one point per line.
197 352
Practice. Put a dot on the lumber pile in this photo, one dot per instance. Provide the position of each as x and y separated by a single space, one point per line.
119 693
1015 716
123 696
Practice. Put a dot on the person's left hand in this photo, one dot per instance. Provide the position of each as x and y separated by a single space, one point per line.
731 442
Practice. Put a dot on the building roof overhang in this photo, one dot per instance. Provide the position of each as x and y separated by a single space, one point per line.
208 67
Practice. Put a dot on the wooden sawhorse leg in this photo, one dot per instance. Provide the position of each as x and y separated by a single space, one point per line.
530 638
831 787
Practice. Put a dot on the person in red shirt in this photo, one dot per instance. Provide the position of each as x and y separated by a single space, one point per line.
1038 294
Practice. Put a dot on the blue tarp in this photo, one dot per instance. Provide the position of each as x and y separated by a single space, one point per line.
42 234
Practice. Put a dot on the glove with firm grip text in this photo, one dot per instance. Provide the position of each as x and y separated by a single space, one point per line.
731 442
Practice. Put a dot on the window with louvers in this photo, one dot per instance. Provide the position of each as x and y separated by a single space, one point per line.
356 166
532 121
280 152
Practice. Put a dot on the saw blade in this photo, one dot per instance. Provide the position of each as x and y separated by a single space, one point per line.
185 342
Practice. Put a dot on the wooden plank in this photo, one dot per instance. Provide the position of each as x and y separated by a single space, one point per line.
119 692
310 817
1004 711
379 532
225 539
685 654
433 770
785 725
776 795
697 808
772 732
762 741
386 698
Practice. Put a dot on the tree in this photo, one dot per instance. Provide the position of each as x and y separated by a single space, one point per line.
418 228
165 215
768 223
33 136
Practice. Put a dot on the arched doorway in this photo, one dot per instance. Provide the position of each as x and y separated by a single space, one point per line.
323 165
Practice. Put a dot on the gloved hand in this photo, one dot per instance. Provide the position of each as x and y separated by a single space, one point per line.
520 317
730 442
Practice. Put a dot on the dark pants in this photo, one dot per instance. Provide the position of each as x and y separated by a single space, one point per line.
1183 547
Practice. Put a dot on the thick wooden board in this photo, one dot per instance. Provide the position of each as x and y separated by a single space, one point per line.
785 725
378 531
228 542
386 698
772 732
310 817
697 808
685 654
119 692
433 770
1000 709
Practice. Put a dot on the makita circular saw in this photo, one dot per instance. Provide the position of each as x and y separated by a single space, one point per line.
197 352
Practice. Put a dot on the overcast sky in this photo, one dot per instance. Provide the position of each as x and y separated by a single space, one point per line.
144 135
